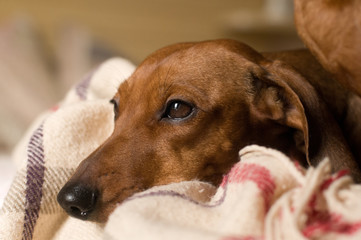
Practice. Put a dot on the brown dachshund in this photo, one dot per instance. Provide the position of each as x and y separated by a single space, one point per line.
189 108
331 29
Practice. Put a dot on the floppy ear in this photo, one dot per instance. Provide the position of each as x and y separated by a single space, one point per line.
274 100
294 118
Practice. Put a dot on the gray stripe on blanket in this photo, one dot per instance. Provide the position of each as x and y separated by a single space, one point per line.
82 87
34 182
54 179
161 193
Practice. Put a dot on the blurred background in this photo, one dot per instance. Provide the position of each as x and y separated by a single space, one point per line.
47 46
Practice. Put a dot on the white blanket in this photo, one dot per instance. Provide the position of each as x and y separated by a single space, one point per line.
264 196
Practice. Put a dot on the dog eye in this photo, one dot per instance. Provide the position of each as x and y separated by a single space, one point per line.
178 109
116 108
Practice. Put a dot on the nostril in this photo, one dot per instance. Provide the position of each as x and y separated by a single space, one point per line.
78 212
77 200
75 211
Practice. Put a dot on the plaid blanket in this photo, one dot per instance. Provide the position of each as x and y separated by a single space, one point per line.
264 196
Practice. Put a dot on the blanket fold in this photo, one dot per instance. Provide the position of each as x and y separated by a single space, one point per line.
264 196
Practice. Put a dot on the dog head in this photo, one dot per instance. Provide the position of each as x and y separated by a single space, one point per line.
184 114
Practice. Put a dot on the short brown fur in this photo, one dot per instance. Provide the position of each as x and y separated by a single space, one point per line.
331 29
240 97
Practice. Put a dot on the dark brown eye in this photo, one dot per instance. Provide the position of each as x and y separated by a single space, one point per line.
178 109
116 108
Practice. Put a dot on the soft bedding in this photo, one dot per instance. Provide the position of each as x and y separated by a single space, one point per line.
264 196
7 172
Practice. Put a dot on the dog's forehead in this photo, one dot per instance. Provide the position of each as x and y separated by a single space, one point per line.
194 68
196 60
198 53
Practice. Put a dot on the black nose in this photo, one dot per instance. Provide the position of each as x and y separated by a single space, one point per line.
77 200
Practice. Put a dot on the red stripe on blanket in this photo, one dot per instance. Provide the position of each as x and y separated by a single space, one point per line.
329 223
54 108
242 238
242 172
333 178
320 221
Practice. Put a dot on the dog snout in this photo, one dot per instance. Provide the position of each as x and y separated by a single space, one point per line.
78 200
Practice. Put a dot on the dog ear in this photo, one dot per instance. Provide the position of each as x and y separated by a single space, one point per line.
274 100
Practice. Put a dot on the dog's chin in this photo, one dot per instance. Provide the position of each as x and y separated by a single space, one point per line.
101 214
